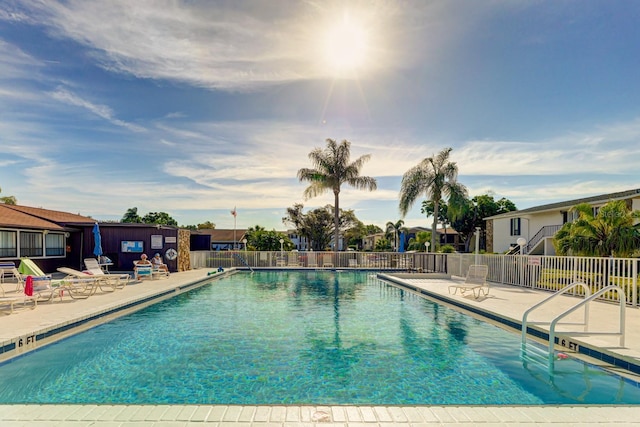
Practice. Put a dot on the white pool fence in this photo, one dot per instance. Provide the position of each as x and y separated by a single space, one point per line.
538 272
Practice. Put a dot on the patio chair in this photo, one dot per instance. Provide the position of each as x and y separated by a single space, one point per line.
281 261
144 271
353 263
312 260
29 268
6 268
327 260
83 285
118 281
476 282
40 289
8 303
292 259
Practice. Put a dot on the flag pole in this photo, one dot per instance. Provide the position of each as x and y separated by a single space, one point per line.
234 213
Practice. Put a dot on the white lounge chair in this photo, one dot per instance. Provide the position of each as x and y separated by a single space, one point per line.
44 289
118 281
81 284
476 282
7 303
327 260
6 269
292 259
312 260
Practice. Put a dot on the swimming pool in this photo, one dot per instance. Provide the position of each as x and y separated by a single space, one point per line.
314 337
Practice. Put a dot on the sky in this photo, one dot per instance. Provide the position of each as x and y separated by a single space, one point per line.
196 107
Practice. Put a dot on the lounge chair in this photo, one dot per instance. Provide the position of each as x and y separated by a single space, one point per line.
281 261
8 303
353 263
118 281
6 268
476 282
327 260
312 260
292 259
29 268
42 288
83 285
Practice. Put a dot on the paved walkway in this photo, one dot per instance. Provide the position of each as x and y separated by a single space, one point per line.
506 302
509 303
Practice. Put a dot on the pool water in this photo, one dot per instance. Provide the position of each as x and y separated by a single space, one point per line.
314 337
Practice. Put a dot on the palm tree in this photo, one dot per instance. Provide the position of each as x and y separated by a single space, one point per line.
394 229
418 243
436 177
609 232
331 169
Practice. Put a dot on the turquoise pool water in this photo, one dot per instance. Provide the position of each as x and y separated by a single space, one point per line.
313 337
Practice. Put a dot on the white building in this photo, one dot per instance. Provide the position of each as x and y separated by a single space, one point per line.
538 225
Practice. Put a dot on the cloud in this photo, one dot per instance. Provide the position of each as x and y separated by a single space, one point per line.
234 45
14 60
102 111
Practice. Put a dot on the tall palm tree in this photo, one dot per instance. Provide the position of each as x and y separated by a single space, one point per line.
394 229
436 177
609 232
331 169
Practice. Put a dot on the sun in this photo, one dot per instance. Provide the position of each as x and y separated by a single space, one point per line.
345 46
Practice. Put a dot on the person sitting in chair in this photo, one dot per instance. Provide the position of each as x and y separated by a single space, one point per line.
142 267
159 264
143 260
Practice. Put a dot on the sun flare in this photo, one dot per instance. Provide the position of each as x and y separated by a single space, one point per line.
346 46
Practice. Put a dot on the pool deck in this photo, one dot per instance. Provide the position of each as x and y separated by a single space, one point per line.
504 302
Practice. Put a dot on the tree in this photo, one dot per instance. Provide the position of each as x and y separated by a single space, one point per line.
331 169
436 177
609 232
473 212
131 216
428 208
372 229
383 245
356 234
8 200
418 243
162 218
259 239
394 230
317 226
207 225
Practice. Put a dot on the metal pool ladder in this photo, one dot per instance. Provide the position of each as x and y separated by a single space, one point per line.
585 302
243 261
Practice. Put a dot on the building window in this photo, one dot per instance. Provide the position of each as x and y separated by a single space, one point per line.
30 244
515 226
8 244
54 244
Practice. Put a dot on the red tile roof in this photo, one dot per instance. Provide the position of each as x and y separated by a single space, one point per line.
29 217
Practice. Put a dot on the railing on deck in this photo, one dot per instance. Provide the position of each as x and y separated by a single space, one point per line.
554 272
415 262
537 272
